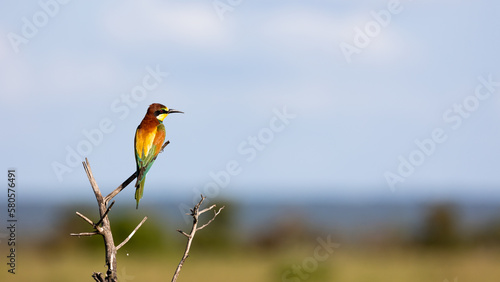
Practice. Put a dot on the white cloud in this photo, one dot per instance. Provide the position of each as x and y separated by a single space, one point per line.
69 74
322 31
190 24
307 24
60 75
300 27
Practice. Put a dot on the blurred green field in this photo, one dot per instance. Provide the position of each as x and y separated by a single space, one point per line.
354 265
281 250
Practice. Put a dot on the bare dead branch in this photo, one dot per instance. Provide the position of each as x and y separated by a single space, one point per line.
195 213
105 230
131 234
103 227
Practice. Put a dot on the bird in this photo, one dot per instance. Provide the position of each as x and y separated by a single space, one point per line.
149 138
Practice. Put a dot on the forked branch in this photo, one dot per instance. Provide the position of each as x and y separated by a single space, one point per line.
195 213
103 227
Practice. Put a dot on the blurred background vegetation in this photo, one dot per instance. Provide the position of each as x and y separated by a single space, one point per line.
77 77
273 242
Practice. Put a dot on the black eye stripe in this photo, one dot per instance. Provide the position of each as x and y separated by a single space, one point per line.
157 113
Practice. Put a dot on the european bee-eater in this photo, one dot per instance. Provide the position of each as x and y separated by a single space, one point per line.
149 138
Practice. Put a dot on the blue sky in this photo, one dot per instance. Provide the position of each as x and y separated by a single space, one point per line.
78 66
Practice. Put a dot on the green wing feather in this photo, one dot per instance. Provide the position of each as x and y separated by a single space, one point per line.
144 164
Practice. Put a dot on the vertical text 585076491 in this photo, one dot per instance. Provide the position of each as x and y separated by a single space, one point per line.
11 220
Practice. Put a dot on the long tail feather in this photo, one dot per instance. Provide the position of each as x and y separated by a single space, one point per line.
139 190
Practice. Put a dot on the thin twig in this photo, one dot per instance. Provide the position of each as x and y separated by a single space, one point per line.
104 215
207 209
98 277
85 218
216 213
163 147
92 181
85 234
131 234
195 213
183 233
121 187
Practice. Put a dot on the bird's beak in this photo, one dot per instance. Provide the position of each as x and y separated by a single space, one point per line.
172 111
